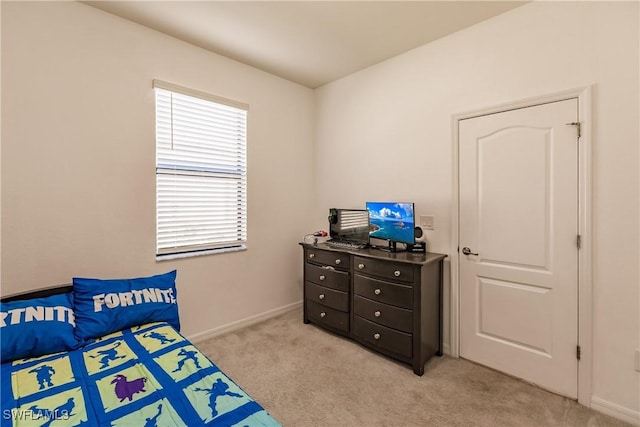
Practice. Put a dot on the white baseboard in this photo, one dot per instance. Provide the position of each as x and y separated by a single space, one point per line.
446 348
615 410
242 323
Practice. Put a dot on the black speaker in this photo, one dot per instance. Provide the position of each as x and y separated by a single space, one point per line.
420 244
333 216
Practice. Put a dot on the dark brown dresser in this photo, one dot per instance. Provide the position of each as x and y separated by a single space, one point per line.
390 302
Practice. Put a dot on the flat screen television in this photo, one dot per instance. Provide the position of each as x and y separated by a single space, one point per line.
392 221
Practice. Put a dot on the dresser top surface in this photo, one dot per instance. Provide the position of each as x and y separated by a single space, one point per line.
408 257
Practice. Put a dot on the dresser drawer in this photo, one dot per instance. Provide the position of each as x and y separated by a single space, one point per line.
327 277
327 316
384 314
334 259
395 271
327 296
381 291
383 337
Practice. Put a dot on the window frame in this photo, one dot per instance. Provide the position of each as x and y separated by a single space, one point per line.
177 171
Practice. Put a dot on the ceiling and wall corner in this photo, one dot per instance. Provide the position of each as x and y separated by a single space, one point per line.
308 42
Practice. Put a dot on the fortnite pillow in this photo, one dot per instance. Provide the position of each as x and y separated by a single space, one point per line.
35 327
105 306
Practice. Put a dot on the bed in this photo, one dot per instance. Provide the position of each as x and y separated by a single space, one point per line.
146 374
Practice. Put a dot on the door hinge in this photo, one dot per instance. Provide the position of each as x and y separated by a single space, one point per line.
579 241
578 126
578 352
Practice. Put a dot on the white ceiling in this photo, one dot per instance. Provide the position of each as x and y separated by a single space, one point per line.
309 42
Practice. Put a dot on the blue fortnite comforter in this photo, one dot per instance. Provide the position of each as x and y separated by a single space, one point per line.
144 376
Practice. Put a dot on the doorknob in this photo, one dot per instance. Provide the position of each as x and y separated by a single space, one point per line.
467 251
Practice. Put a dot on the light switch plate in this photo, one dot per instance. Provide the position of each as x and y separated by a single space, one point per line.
637 361
426 222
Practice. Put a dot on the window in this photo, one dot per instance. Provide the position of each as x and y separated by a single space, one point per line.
201 172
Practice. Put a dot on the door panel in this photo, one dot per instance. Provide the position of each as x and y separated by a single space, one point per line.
527 306
500 183
519 213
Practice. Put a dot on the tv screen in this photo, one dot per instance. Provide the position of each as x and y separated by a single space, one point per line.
391 221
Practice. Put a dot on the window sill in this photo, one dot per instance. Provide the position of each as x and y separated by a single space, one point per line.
167 257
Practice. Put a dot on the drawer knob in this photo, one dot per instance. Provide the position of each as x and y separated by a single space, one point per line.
396 273
321 296
360 266
377 291
338 261
377 314
376 336
323 314
312 256
322 277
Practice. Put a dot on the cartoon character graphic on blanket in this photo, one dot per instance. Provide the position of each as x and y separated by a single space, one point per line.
125 389
43 375
215 395
160 337
187 355
219 388
157 414
126 386
64 411
67 408
182 362
153 421
108 355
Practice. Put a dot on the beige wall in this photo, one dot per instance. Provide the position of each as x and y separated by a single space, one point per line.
78 161
388 129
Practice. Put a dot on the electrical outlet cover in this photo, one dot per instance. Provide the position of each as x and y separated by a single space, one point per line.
426 222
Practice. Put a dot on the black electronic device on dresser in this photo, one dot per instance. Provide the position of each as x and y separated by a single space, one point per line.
349 228
389 302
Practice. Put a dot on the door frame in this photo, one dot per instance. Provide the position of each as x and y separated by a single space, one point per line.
585 291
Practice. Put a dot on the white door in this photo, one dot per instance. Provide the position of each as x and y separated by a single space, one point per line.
519 221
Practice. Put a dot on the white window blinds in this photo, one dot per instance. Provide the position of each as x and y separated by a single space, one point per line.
201 171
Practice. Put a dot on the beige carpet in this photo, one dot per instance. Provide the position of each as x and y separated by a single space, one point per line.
305 376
